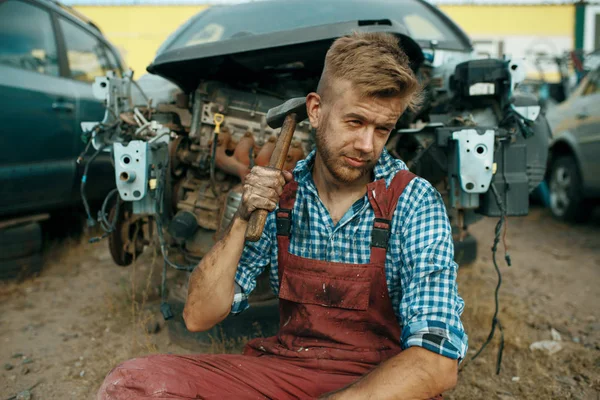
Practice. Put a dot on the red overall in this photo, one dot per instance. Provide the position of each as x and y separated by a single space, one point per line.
336 324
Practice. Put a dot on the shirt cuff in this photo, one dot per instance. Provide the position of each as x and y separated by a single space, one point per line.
240 300
437 337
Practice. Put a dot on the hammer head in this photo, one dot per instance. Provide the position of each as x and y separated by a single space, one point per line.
276 115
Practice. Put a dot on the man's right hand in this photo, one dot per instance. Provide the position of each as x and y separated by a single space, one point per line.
262 189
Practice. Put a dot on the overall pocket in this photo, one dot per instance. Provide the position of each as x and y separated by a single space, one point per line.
346 293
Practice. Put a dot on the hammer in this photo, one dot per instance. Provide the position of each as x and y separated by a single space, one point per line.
285 116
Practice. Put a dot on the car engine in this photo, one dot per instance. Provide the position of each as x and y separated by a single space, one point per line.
184 164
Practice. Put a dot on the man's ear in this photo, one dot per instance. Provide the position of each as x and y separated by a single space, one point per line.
314 109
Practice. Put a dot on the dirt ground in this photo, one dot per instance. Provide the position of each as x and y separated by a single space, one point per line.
63 331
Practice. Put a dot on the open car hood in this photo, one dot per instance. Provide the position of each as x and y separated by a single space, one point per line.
296 54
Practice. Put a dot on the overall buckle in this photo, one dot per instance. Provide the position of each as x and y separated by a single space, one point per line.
380 236
284 222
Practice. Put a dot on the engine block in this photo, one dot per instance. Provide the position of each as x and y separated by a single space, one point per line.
243 140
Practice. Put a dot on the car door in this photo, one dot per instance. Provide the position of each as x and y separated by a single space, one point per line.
88 57
37 111
587 131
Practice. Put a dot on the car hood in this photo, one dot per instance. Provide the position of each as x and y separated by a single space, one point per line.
259 59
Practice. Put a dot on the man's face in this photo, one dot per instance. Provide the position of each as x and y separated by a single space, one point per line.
351 129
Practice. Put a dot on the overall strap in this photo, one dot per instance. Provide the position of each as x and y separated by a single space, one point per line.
384 201
286 205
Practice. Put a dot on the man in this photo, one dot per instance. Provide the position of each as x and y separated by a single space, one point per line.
361 256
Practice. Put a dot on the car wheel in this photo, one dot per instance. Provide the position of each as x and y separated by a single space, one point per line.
20 241
20 268
566 194
124 233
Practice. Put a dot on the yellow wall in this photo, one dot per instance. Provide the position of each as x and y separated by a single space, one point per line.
138 31
514 20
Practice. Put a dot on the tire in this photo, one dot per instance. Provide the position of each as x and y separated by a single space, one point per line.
567 202
21 268
20 241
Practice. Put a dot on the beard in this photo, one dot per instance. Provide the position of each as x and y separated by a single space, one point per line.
333 159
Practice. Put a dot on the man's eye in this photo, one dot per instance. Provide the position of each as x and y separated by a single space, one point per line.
354 122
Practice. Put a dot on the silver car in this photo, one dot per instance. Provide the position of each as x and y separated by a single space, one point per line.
574 162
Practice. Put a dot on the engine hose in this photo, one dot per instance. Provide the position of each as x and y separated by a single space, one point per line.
213 183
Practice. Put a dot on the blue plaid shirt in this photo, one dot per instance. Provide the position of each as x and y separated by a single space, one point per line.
420 267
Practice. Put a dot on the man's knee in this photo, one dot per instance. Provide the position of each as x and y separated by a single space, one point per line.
132 376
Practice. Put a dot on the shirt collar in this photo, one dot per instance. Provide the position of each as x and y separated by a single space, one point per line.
386 165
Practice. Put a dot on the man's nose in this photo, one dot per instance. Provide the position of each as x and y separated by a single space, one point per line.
364 140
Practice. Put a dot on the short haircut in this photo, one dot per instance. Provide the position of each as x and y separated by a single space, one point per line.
375 64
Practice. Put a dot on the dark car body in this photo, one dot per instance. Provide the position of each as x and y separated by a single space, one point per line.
242 42
49 58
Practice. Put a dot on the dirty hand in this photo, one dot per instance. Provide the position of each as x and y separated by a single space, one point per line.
262 189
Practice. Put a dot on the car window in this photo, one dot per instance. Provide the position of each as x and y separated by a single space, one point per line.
222 23
88 57
28 39
593 85
114 62
422 28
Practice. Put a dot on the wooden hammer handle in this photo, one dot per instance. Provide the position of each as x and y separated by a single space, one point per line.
257 221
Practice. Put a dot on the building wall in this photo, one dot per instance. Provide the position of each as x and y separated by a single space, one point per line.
552 20
138 31
522 31
518 30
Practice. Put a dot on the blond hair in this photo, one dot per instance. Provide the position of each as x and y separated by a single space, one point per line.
375 64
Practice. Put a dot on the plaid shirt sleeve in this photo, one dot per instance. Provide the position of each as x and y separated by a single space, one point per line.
254 259
430 306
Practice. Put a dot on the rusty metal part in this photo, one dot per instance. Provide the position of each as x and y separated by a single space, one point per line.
242 149
132 233
264 155
223 140
178 193
180 155
185 117
128 118
462 231
228 144
200 200
295 154
182 100
230 164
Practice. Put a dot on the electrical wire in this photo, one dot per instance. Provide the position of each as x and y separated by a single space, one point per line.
499 234
86 205
165 308
161 183
81 156
107 225
495 321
